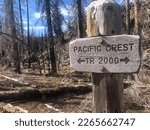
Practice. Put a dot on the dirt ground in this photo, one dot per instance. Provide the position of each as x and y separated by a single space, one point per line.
68 102
136 96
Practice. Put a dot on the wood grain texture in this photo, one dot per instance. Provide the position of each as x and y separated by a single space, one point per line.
107 54
92 26
103 85
115 93
99 99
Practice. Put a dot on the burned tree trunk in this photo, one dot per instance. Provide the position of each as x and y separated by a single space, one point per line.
35 93
21 21
28 36
51 46
11 29
57 25
80 24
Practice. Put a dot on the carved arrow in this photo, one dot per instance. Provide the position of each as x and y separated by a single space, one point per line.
126 60
80 60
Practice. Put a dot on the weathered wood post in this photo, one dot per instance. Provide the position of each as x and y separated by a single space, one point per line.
106 57
99 82
107 89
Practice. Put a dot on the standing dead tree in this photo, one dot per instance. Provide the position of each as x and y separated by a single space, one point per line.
51 45
77 23
79 14
11 29
28 35
57 22
21 21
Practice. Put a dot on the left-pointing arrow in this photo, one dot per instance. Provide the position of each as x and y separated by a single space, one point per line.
80 60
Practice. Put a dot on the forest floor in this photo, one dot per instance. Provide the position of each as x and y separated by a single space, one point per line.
66 92
68 99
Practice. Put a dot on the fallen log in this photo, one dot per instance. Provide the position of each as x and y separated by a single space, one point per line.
6 88
35 93
8 108
15 81
51 107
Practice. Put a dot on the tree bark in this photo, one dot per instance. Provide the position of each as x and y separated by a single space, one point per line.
104 18
21 22
51 45
11 29
28 36
79 24
35 93
59 36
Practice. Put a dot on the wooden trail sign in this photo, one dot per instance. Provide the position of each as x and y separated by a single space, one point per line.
108 54
115 54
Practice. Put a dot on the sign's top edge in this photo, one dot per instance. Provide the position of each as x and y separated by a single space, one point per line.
122 35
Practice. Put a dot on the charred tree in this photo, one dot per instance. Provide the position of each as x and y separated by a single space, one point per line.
51 45
28 36
77 23
57 21
20 13
11 29
79 18
57 27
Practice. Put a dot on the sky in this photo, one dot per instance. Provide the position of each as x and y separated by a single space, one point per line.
34 16
36 25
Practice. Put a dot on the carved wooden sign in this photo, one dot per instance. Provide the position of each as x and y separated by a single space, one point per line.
106 54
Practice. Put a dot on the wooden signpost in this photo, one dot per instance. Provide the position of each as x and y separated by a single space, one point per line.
107 57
